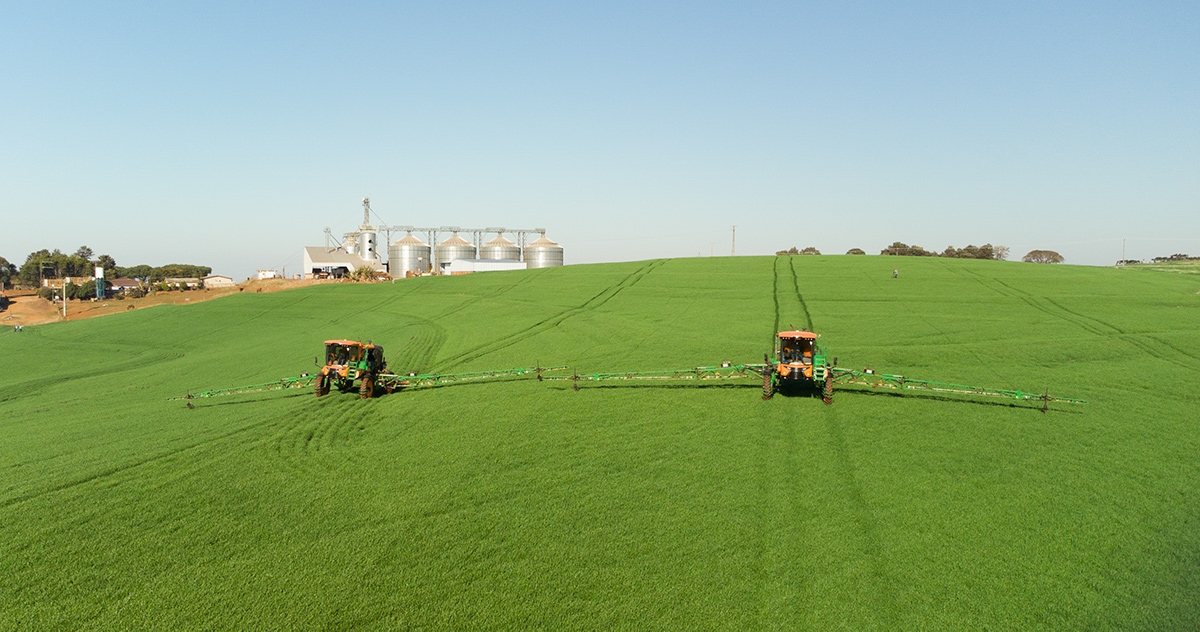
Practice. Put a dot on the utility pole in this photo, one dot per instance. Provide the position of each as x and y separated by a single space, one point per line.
733 243
1122 251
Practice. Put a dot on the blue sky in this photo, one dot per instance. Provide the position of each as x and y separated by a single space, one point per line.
232 134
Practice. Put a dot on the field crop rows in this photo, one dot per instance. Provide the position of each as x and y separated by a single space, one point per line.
527 504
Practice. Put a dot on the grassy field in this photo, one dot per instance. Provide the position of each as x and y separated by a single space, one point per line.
526 504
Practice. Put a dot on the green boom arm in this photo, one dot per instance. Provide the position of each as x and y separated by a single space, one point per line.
841 377
387 381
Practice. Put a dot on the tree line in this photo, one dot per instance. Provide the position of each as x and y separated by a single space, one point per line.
986 251
55 264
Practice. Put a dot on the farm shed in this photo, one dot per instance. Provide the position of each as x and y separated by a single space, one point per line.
217 280
321 262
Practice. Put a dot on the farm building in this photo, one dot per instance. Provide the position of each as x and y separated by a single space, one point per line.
321 262
266 274
179 282
467 266
124 284
217 280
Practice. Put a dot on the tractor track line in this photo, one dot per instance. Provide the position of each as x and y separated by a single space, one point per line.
1085 317
1013 293
1090 324
475 299
1167 344
864 517
9 502
800 297
23 389
1152 351
591 304
775 296
1084 324
1101 328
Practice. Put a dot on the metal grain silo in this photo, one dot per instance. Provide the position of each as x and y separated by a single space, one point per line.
453 248
366 245
408 254
543 253
500 249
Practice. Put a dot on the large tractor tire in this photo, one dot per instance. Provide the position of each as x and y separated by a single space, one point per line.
768 385
827 392
366 389
321 385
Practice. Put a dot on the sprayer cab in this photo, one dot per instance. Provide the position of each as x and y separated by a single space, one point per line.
799 358
347 361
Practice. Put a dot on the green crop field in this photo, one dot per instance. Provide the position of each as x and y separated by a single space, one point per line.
521 504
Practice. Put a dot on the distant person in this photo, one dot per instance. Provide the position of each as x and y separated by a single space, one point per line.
895 274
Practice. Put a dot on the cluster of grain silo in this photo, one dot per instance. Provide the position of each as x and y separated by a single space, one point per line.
409 255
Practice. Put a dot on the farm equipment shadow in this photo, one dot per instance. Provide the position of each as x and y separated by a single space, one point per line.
254 400
1028 405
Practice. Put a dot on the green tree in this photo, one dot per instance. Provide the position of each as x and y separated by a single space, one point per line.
84 253
1042 256
176 270
52 265
7 272
140 272
899 248
109 264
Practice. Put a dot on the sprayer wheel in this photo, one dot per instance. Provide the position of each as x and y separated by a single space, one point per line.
366 389
768 387
321 385
827 393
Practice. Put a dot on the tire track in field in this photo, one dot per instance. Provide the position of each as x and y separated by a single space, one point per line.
799 296
525 279
864 519
422 347
589 305
32 387
125 467
775 296
322 427
1087 324
1094 325
252 317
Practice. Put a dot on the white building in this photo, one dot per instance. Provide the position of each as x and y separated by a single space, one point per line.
321 262
266 274
467 266
217 280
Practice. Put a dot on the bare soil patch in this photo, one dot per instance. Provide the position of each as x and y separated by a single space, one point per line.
26 309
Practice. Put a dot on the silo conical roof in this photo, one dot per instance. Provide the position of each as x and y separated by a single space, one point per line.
455 240
500 240
542 242
409 240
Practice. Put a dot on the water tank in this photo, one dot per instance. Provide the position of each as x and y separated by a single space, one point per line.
366 245
500 249
543 253
408 253
454 248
